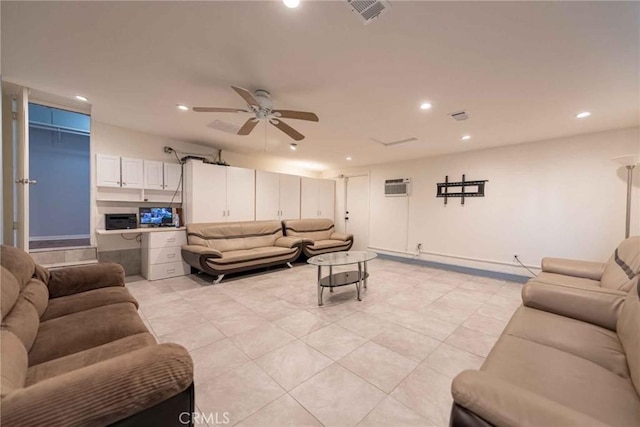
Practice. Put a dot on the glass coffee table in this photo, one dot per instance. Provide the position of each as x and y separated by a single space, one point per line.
334 259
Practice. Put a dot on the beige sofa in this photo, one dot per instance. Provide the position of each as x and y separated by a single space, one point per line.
570 356
230 247
75 351
616 273
318 234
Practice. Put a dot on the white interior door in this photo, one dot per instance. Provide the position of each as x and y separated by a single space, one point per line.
357 211
309 198
241 194
267 196
326 198
289 197
22 181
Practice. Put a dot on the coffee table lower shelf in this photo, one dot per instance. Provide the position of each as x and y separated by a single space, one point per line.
341 279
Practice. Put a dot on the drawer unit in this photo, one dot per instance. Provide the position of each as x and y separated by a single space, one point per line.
161 254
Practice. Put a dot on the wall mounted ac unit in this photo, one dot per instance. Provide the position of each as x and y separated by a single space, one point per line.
397 187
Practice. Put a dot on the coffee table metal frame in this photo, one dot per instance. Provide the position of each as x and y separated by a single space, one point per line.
358 278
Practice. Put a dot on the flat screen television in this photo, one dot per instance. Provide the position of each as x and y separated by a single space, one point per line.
156 217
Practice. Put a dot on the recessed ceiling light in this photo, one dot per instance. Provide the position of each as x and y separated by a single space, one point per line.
293 146
82 98
466 137
583 115
348 158
425 106
182 107
291 4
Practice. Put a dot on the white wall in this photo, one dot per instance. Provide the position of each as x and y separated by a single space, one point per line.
561 197
109 139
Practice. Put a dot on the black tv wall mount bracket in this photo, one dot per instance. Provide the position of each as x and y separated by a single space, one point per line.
443 189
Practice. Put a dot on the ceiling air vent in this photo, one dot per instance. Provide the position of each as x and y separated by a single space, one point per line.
368 10
392 143
397 187
224 126
460 116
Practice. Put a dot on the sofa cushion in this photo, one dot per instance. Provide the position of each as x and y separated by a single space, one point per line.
313 229
629 333
87 300
88 357
86 329
10 291
18 262
23 321
255 254
623 266
570 380
324 244
561 279
233 236
13 363
588 341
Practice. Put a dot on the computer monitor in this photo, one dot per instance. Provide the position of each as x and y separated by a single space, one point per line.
156 217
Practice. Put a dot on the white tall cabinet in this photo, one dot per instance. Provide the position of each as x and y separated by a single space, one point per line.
216 193
317 198
277 196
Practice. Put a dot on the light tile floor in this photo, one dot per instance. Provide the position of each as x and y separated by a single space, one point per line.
266 354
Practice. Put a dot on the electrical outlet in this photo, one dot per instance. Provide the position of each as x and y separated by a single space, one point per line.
168 150
419 246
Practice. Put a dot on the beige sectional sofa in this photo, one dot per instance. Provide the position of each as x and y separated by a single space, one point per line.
570 355
318 234
76 352
230 247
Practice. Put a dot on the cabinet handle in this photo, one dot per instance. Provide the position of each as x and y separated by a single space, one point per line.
118 182
171 255
171 270
124 183
228 212
224 213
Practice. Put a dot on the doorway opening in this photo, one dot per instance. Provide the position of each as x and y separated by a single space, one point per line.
59 162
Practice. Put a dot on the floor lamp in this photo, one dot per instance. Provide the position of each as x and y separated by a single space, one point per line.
629 161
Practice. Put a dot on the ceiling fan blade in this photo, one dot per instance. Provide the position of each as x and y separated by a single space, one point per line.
297 136
218 110
298 115
247 96
247 127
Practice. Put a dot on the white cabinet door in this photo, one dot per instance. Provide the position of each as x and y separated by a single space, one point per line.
107 170
289 197
172 174
132 172
267 196
309 198
326 198
153 173
206 193
241 186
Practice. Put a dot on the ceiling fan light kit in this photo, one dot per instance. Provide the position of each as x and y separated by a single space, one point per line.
260 105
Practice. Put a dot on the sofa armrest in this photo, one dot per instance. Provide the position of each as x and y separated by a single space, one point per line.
341 236
72 280
104 392
288 242
502 403
570 267
202 250
592 304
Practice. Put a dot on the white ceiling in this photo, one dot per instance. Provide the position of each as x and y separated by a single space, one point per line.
521 69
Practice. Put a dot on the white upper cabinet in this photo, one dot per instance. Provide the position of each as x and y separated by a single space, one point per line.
267 196
132 172
205 193
172 174
241 193
153 175
289 197
107 170
318 198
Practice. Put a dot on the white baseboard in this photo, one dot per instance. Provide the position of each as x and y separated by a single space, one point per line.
71 237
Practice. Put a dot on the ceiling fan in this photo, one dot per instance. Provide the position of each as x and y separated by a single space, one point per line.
260 105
